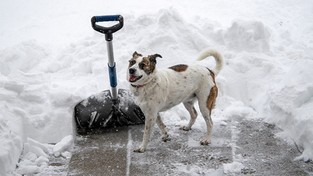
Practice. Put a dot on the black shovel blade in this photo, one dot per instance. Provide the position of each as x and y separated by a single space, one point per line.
100 111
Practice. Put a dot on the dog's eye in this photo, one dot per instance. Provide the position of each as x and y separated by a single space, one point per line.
132 62
141 65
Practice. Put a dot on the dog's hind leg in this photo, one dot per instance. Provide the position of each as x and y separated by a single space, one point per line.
164 131
193 114
206 105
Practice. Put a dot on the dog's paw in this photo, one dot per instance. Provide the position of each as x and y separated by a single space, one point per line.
205 141
140 150
185 128
166 138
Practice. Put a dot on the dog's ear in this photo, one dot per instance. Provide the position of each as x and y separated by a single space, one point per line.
157 55
153 57
135 54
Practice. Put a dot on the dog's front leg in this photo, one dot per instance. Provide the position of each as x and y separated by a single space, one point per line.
149 125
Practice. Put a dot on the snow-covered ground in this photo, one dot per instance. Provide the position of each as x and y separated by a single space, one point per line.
50 58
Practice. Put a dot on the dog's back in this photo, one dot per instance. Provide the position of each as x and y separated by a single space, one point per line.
184 81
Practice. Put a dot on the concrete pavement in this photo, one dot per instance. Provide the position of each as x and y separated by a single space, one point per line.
249 142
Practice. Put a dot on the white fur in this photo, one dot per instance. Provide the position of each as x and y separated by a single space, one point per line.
163 89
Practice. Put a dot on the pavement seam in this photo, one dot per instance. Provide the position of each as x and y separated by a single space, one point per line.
128 154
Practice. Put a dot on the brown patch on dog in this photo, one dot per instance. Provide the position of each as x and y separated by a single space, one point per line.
212 98
212 75
136 55
213 93
133 60
195 111
179 68
153 57
147 65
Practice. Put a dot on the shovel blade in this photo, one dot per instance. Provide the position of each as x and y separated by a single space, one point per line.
100 111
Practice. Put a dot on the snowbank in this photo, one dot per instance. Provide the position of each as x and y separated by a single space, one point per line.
290 105
10 148
35 156
46 68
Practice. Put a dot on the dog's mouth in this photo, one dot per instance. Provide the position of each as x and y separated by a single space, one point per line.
133 78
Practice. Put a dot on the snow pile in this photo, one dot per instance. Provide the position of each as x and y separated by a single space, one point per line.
11 145
291 103
35 156
250 36
31 107
46 68
274 82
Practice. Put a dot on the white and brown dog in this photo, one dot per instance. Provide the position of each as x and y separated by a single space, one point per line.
159 90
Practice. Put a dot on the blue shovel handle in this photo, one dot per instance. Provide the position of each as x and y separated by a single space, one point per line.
107 18
108 31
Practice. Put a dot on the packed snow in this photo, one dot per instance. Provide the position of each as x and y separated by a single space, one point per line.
50 59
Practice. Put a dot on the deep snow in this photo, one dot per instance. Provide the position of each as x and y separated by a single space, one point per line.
50 58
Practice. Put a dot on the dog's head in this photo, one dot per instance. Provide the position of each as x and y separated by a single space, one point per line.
141 68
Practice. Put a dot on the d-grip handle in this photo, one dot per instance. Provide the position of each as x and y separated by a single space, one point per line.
108 31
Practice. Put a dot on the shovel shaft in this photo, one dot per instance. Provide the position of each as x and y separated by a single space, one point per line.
108 31
110 53
112 70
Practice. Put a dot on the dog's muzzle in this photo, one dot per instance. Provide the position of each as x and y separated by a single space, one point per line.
132 76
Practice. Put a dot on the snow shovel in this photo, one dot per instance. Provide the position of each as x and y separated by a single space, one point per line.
107 109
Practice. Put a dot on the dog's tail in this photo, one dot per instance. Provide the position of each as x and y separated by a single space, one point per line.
218 59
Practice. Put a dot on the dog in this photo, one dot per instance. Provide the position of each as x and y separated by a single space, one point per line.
159 90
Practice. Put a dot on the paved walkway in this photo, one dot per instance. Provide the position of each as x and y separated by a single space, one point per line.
240 147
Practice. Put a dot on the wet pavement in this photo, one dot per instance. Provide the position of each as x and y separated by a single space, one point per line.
251 143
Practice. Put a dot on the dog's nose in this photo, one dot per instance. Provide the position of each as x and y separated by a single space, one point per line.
132 71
